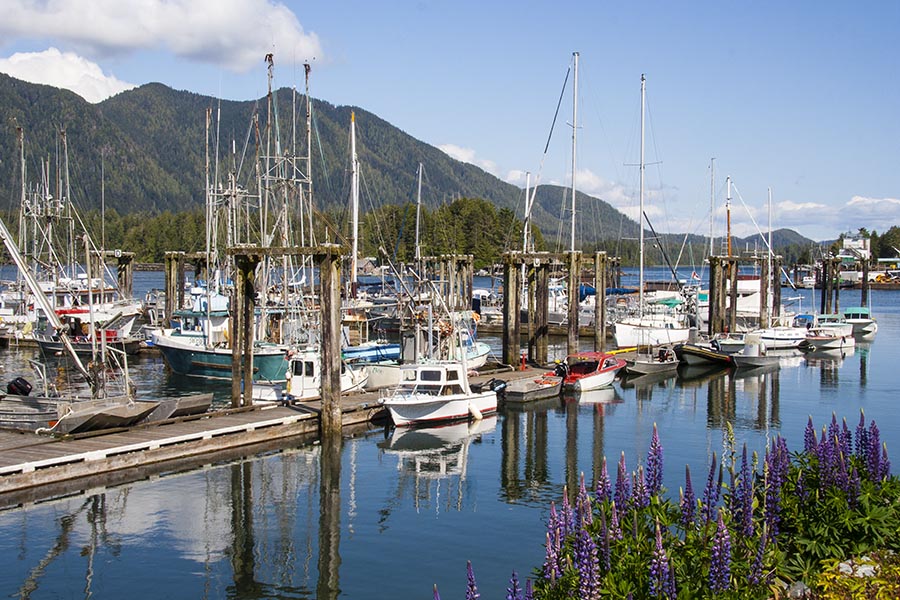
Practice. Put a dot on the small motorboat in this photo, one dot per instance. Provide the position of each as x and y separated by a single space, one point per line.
828 338
591 370
438 391
861 318
520 391
754 354
703 354
661 361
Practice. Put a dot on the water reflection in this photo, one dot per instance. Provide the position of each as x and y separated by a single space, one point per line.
430 459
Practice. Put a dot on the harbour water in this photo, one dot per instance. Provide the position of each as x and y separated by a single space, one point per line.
390 513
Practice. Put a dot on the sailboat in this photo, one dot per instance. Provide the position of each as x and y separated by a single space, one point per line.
656 328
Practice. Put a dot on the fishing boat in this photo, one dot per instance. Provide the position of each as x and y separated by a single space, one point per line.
591 370
521 391
755 354
437 391
304 375
827 338
87 337
662 360
861 318
702 354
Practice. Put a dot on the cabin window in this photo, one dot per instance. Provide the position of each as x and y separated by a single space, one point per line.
308 368
431 375
452 376
409 375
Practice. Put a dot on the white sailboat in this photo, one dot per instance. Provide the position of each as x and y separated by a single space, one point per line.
647 329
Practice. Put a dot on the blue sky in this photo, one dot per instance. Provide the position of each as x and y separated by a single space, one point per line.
802 97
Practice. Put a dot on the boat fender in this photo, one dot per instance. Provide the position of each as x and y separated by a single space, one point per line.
473 410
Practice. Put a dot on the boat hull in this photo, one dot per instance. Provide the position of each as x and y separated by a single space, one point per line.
530 390
696 355
417 408
269 364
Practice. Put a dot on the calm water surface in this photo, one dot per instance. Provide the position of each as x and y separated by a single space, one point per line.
388 514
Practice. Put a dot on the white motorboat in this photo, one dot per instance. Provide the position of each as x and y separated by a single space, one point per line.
437 391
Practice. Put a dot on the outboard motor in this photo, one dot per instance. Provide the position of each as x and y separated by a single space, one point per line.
496 385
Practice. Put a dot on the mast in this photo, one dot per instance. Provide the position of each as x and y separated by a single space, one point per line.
641 194
728 213
574 132
354 201
418 255
712 205
527 224
769 306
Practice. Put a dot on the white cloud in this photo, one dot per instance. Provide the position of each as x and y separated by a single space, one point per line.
64 70
235 34
467 155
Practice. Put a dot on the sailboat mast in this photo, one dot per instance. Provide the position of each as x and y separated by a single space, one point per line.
574 146
712 205
418 250
527 224
354 200
641 194
769 306
728 212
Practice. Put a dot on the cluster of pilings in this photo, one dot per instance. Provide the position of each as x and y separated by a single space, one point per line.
124 268
453 277
174 266
831 285
725 268
533 269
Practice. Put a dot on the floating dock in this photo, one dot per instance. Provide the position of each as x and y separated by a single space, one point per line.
39 467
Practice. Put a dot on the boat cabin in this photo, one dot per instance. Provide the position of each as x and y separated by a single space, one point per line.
435 379
590 362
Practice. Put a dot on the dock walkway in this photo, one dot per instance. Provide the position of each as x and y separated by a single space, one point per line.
35 467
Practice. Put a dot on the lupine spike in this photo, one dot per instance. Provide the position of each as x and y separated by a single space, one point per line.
873 461
529 590
662 580
884 463
602 491
514 592
862 446
623 490
809 437
586 564
641 497
604 543
755 576
710 495
688 501
720 562
654 464
437 596
615 531
745 496
471 586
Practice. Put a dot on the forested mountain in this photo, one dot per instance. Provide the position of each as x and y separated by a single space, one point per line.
150 143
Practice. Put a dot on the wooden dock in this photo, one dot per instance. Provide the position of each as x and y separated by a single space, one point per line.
38 467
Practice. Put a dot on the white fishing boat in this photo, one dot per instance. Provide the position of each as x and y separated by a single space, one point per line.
861 318
827 338
437 391
755 354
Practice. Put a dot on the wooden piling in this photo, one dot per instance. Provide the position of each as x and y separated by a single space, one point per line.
512 309
329 264
600 265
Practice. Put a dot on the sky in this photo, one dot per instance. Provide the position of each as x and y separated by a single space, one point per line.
800 98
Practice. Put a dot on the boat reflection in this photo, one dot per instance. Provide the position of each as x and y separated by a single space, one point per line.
697 375
607 395
648 380
426 456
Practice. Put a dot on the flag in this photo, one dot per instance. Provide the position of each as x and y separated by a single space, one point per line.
695 276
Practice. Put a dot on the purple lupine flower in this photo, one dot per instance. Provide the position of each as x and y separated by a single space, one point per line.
756 577
809 438
662 578
846 438
873 460
471 586
514 592
583 513
711 492
800 489
774 478
641 497
654 464
529 590
841 479
862 446
566 515
602 490
623 488
745 496
436 595
586 564
552 557
720 562
826 460
884 464
604 542
688 501
615 531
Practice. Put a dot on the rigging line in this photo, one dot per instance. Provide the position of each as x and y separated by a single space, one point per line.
759 231
315 122
556 114
662 248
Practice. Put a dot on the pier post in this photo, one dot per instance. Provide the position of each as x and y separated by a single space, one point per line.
716 321
541 311
765 281
530 273
864 287
242 330
174 285
329 263
574 285
512 307
837 285
125 273
828 286
600 301
777 261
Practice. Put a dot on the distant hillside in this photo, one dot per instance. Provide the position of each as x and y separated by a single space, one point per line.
151 142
